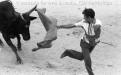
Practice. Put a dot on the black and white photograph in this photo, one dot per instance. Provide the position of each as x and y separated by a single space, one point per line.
60 37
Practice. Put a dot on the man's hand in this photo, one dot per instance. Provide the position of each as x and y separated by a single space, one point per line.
58 27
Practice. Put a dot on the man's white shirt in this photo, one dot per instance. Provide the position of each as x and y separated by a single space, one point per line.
85 26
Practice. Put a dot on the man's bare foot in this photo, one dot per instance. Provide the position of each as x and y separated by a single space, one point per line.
42 10
64 54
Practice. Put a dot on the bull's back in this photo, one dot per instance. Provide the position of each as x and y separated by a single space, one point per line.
6 14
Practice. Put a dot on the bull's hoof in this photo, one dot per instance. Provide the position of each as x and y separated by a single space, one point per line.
19 61
2 44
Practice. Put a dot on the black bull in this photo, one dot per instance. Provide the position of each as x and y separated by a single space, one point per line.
12 24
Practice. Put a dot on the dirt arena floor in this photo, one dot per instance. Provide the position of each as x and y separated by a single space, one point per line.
106 58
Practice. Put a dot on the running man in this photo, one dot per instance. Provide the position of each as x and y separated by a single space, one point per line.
92 28
50 25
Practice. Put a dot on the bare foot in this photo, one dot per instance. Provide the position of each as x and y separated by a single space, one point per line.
64 54
42 10
41 47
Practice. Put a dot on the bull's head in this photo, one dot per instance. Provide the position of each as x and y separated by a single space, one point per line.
27 19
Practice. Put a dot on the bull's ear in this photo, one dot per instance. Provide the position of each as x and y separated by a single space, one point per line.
32 18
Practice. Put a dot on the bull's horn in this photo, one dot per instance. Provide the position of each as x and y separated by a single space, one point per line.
30 11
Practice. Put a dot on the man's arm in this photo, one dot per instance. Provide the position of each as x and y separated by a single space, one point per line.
98 32
66 26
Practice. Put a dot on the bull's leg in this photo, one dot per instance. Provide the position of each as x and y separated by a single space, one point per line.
19 42
1 43
8 41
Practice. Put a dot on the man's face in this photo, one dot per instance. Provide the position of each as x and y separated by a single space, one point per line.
87 19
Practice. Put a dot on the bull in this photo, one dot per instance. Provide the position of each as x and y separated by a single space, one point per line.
13 24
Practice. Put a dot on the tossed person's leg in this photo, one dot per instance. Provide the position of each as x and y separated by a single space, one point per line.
45 44
44 19
50 24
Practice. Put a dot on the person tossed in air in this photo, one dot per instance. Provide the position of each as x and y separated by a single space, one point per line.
50 25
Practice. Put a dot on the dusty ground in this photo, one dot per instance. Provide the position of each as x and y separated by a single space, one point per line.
106 58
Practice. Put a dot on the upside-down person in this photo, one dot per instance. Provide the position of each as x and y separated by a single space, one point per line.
50 24
92 28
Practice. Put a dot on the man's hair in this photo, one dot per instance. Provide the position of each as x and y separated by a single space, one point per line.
89 12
